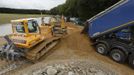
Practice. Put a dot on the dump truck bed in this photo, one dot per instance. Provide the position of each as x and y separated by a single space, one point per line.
114 18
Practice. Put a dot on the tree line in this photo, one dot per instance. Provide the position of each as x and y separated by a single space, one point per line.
83 9
22 11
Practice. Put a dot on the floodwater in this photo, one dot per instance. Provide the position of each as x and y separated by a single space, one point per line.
5 29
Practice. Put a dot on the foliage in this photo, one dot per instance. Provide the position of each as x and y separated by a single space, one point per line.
82 8
21 11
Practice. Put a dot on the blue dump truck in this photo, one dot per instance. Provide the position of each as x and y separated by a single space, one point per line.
112 32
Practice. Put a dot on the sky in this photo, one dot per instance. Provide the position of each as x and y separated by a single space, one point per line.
31 4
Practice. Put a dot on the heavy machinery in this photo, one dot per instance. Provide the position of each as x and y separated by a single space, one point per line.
112 32
59 27
29 40
58 24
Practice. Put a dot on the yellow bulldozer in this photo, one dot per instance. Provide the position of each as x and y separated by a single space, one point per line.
58 24
30 40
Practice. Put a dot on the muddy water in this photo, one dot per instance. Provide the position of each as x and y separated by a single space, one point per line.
5 29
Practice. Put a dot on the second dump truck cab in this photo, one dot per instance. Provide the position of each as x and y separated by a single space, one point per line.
112 31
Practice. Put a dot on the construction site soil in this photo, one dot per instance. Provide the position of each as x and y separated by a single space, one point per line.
73 55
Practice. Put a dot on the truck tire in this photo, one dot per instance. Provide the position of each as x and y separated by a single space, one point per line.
131 61
118 55
102 48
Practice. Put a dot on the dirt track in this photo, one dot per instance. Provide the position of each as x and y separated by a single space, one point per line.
76 46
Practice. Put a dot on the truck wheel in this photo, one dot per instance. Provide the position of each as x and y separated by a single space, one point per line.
102 49
118 55
131 61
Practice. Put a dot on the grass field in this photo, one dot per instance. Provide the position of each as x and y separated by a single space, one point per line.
5 18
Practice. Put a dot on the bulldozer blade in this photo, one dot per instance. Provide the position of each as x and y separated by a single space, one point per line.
8 53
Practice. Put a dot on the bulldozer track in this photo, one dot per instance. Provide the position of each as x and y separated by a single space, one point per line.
39 50
33 55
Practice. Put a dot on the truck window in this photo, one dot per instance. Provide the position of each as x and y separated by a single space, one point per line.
20 28
32 27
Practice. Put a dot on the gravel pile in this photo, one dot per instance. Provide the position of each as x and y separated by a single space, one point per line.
70 68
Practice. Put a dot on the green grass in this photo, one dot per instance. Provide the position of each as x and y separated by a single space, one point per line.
6 18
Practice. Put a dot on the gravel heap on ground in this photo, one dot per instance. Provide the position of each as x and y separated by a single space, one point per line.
69 68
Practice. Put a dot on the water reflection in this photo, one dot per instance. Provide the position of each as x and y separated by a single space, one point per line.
5 29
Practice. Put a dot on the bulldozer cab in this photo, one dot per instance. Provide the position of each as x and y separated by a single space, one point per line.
26 32
25 26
